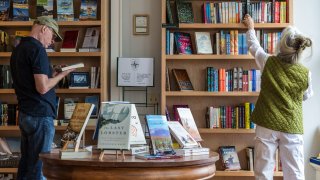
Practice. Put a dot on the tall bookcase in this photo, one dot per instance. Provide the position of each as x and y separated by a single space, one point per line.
199 99
97 59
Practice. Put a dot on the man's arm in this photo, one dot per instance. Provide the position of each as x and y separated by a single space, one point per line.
44 84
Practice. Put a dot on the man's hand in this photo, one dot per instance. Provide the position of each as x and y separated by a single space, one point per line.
248 21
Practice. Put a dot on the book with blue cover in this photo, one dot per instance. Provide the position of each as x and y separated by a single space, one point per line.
229 157
4 9
20 10
65 10
315 160
159 134
88 10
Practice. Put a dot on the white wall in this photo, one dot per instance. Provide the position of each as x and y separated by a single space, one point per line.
306 18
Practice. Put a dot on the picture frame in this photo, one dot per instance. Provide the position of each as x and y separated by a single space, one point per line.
79 80
141 24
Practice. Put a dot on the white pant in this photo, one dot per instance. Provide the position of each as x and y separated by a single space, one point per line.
290 152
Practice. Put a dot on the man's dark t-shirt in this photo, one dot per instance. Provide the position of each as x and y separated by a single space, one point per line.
30 58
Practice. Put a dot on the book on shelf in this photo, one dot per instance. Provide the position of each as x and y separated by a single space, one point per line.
45 8
88 10
20 10
229 157
89 49
192 151
185 12
65 10
157 157
91 38
77 124
250 158
315 160
69 105
94 99
79 80
188 123
161 142
70 40
184 139
175 111
182 78
4 10
68 67
168 87
203 42
183 42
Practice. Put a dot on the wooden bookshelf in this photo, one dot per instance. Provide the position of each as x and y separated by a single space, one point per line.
90 59
199 99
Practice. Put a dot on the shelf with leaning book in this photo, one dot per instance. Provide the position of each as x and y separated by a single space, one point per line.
200 36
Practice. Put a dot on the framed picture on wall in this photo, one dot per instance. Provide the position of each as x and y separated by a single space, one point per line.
141 24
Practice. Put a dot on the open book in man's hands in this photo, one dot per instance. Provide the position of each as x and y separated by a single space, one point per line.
73 66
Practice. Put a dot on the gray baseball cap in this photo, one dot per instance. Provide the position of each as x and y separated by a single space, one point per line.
48 21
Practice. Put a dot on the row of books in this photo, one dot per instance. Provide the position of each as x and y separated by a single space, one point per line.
268 40
230 116
232 12
235 79
8 114
229 12
64 8
223 42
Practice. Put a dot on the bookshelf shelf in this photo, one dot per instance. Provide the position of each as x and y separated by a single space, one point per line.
226 131
61 23
243 173
214 57
233 26
62 54
60 91
8 170
206 93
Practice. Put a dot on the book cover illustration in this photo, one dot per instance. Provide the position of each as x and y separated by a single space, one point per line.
65 10
136 133
229 156
114 126
91 38
20 10
189 123
185 12
203 42
45 8
77 123
88 10
159 134
182 79
181 135
4 9
183 42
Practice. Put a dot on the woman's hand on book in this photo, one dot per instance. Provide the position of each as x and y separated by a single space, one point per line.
248 21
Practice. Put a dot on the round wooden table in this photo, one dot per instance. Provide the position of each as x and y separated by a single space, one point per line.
190 167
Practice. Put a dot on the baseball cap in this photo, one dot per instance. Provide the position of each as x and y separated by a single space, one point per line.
47 21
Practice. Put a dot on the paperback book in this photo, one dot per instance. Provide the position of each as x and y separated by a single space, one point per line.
45 8
20 10
88 10
184 139
189 123
183 42
4 9
182 78
157 157
229 157
65 10
73 66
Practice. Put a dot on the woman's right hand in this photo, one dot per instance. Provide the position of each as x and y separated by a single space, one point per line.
248 21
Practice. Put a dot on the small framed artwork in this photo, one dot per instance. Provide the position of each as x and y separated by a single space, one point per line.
79 80
141 24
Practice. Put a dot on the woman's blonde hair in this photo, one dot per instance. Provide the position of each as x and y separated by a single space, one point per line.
292 44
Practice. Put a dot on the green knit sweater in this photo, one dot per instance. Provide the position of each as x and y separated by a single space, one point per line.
279 106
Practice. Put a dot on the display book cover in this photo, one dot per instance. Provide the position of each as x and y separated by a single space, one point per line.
184 139
70 40
65 10
76 128
88 10
91 40
185 12
182 78
229 157
45 8
183 42
20 10
4 10
203 42
188 123
118 126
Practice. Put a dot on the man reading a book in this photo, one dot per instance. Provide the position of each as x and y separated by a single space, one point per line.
34 82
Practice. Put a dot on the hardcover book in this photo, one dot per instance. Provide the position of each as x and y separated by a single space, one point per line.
91 38
185 12
203 42
4 9
70 40
20 10
65 10
229 157
183 42
189 123
77 124
159 134
184 139
182 78
88 10
93 100
45 8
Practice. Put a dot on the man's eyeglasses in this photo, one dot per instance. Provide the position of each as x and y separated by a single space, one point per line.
54 36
